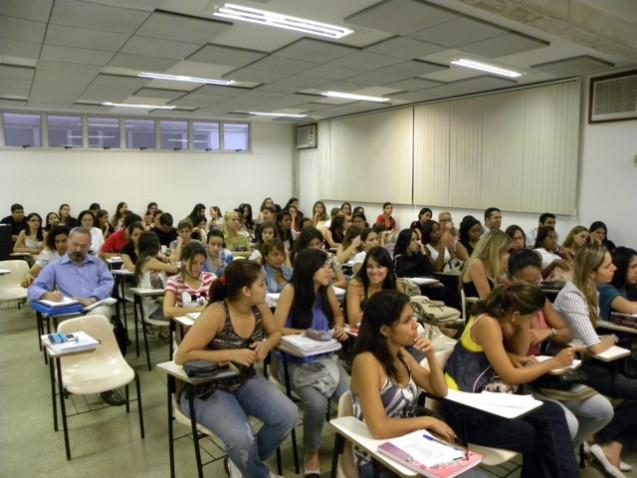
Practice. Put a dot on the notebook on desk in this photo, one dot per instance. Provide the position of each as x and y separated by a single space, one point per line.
613 353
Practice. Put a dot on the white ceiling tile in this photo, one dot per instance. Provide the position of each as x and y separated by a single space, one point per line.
332 72
344 85
444 91
249 74
92 16
400 16
377 91
141 45
413 96
224 55
459 31
484 82
399 71
365 61
286 66
146 5
75 55
184 86
412 84
502 45
573 66
112 88
276 88
142 62
92 39
21 30
19 49
313 106
12 103
59 86
405 48
9 72
193 68
68 72
35 10
214 91
13 87
193 99
158 93
182 28
314 50
301 81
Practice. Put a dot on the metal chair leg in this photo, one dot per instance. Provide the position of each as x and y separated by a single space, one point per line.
140 408
67 444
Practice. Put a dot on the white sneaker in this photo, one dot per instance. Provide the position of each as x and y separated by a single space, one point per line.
609 468
233 470
624 466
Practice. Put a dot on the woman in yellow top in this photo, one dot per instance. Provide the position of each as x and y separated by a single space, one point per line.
234 240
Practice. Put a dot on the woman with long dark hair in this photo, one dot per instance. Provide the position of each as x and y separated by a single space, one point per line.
469 236
31 239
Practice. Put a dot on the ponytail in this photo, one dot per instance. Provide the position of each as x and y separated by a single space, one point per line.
520 296
218 291
237 275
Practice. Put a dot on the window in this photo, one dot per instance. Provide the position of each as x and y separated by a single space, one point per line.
103 132
236 137
22 130
173 134
65 131
140 133
205 136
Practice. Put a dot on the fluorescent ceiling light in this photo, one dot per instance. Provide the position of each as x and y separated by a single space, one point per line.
133 105
280 20
353 96
476 65
190 79
279 115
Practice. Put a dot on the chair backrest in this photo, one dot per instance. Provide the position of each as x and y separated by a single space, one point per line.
442 356
98 327
19 269
346 467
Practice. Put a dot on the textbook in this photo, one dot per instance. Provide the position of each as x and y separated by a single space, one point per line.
69 343
560 370
612 353
625 320
305 346
68 306
430 456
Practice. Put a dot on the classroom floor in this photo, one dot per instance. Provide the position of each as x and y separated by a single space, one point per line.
107 442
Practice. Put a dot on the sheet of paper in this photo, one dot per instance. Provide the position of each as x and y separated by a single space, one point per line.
423 449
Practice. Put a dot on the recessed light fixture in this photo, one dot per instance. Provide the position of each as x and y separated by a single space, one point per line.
477 65
278 115
133 105
281 20
353 96
190 79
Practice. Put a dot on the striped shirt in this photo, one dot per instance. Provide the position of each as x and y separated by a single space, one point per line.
187 296
573 308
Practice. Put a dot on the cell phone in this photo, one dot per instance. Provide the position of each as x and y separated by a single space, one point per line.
61 338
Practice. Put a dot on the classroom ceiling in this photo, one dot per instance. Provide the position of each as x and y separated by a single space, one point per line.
72 55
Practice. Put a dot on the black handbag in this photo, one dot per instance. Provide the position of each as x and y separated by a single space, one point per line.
565 381
204 371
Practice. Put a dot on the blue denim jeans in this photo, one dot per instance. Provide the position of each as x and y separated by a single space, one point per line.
226 415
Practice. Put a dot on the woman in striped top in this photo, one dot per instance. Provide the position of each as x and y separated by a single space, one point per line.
385 376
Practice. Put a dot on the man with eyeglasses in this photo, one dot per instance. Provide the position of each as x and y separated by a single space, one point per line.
80 276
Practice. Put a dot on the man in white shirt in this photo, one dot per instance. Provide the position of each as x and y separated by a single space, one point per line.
546 219
492 218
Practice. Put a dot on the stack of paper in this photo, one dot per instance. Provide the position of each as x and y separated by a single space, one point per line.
301 345
559 370
75 342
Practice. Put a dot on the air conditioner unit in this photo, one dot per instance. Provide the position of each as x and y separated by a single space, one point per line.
613 97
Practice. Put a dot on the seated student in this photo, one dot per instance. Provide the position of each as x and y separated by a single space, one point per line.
94 208
55 245
410 256
486 266
469 235
277 274
151 272
575 240
386 378
518 238
245 217
319 215
439 252
199 230
546 245
449 231
599 235
87 220
586 411
152 208
51 220
614 296
16 220
117 221
359 220
104 224
308 302
546 219
577 303
165 230
376 274
119 239
350 246
238 327
131 250
218 256
267 213
346 209
335 233
386 218
232 226
297 219
424 216
480 362
284 229
369 240
184 237
65 216
196 215
31 238
312 238
188 291
266 231
492 218
216 218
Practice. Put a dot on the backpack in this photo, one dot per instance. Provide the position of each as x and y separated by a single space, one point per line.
434 312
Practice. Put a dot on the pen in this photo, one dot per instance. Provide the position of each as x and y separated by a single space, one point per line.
433 438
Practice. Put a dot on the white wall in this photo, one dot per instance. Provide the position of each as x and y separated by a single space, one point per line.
43 179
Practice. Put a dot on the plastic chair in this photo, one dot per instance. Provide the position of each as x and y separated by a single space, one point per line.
96 372
466 300
138 309
490 456
10 288
346 466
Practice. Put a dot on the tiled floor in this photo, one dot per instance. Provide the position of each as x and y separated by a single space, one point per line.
105 443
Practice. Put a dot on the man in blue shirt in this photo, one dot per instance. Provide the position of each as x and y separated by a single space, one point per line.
80 276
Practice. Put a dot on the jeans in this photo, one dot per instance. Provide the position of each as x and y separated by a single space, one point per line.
541 436
226 415
583 417
623 427
606 379
315 406
367 471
